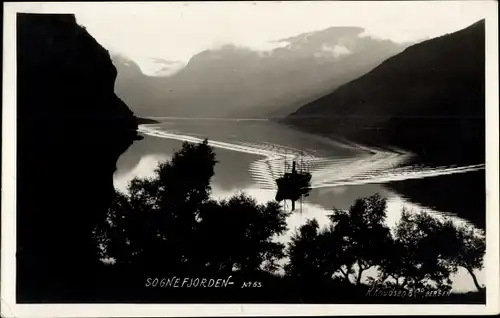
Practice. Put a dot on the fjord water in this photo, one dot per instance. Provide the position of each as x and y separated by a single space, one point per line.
251 154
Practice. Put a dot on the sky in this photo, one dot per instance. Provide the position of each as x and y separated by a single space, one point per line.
176 31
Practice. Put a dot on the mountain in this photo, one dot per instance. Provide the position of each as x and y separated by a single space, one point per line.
71 130
429 99
233 81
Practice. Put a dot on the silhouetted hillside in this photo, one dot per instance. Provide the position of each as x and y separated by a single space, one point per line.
429 99
233 81
71 129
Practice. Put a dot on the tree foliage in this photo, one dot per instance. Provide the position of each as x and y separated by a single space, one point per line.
364 234
351 244
239 233
417 255
169 223
426 250
422 251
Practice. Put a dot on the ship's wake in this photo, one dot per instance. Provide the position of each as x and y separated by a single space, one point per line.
370 166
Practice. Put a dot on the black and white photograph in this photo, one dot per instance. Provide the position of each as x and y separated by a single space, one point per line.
312 153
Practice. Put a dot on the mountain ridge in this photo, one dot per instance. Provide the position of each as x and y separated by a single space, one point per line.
439 81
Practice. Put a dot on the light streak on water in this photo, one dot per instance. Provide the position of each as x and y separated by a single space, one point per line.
373 166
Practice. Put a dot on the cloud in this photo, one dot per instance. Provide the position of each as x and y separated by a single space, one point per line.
336 51
177 30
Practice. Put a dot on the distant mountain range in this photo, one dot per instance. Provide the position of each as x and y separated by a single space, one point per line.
429 99
234 81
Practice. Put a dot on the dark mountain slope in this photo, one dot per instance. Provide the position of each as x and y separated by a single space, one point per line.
429 99
71 129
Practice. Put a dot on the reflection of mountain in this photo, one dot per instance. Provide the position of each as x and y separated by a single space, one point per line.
460 194
154 147
342 197
239 82
428 99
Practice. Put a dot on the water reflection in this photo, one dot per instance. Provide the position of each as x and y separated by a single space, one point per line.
253 153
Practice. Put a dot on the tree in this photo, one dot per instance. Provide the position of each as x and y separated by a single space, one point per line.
155 220
426 250
465 247
168 223
113 233
180 188
352 244
363 234
238 233
305 253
